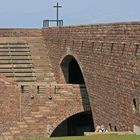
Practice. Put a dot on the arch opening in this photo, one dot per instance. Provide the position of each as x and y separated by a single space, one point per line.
71 70
75 125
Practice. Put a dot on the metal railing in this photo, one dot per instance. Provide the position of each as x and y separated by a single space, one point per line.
46 23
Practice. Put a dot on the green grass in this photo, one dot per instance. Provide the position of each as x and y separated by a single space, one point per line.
96 137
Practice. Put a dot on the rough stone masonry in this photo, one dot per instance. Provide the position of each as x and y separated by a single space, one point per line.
108 57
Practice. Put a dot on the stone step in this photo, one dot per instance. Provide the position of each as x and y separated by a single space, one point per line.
25 79
15 58
14 61
14 49
23 70
11 53
13 46
21 66
20 74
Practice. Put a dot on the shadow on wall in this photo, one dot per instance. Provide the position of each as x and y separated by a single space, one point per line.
75 125
73 75
71 71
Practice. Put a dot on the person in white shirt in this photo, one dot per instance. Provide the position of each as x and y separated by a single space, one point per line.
102 129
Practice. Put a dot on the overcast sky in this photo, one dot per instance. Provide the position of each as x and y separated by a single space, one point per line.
30 13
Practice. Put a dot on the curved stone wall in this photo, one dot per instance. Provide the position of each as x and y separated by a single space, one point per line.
109 56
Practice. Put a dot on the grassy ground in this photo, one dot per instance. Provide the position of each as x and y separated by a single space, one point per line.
97 137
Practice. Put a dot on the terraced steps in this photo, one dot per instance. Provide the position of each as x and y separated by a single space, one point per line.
26 62
15 62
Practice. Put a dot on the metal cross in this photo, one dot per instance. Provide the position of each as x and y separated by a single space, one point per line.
57 7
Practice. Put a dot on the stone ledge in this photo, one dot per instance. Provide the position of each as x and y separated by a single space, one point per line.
108 133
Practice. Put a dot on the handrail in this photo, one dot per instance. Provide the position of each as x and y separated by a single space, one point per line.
46 23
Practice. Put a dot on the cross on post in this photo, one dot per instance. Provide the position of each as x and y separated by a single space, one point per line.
57 7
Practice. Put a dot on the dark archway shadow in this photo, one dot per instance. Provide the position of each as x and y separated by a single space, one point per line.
75 125
73 75
82 122
71 71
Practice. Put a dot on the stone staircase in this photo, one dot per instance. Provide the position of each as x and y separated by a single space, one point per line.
42 65
52 109
26 62
16 63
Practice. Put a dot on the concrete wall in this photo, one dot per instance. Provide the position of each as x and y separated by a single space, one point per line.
108 56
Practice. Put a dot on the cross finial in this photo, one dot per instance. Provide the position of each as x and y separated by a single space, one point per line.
57 7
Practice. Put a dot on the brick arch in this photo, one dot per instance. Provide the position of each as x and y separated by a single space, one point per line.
70 112
66 58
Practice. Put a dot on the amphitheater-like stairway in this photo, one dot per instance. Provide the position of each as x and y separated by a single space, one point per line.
32 125
29 64
16 62
26 62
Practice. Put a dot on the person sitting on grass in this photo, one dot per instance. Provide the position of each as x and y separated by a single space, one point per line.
98 127
102 129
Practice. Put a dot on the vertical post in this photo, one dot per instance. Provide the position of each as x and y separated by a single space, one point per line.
57 14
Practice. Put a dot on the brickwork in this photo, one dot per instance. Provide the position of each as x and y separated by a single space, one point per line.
43 103
108 55
9 104
46 114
